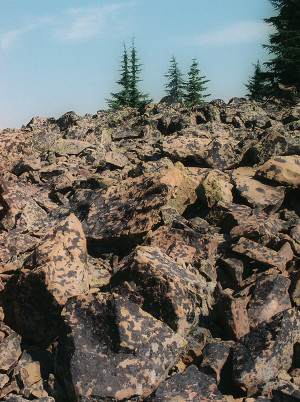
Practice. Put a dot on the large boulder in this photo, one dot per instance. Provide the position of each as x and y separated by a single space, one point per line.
268 348
282 169
55 271
110 349
165 288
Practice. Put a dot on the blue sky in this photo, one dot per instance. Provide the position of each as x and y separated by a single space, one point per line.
57 56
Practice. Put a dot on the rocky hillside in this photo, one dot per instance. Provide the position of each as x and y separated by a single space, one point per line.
152 255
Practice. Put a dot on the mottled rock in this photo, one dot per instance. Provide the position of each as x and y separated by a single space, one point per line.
168 290
259 253
215 355
182 187
214 188
257 194
56 270
125 211
233 315
191 385
102 351
221 154
10 351
284 170
270 296
185 149
265 350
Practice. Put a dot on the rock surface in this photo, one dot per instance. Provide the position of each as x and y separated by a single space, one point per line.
152 254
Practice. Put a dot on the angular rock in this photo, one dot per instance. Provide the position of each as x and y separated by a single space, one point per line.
191 385
102 352
64 147
270 296
257 194
167 289
125 212
10 351
266 350
185 149
56 270
259 253
214 188
284 170
215 355
233 315
182 186
221 154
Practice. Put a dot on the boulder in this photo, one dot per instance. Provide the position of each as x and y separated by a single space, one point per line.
126 211
166 289
191 385
269 297
257 194
102 352
214 188
265 350
56 270
259 253
284 170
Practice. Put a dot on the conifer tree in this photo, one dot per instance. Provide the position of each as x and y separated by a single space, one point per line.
175 86
129 95
284 45
136 98
195 86
257 86
121 98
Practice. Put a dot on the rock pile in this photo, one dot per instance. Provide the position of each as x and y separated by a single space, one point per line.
152 254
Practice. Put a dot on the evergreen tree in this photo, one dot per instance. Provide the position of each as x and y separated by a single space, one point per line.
175 86
195 86
136 98
257 86
121 98
129 95
285 44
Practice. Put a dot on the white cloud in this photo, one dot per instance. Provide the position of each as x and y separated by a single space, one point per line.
240 32
85 23
10 38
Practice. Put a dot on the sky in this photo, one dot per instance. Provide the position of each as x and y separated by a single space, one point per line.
64 55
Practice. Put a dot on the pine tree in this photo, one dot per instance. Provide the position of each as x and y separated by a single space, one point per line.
257 86
284 45
136 98
121 98
195 86
175 86
129 95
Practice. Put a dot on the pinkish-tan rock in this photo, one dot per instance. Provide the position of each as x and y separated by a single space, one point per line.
282 169
55 271
257 194
166 289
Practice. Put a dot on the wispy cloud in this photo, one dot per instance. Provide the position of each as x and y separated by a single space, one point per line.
9 39
82 23
237 33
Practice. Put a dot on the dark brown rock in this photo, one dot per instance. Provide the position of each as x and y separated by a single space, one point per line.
214 357
102 352
267 349
270 296
259 253
191 385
